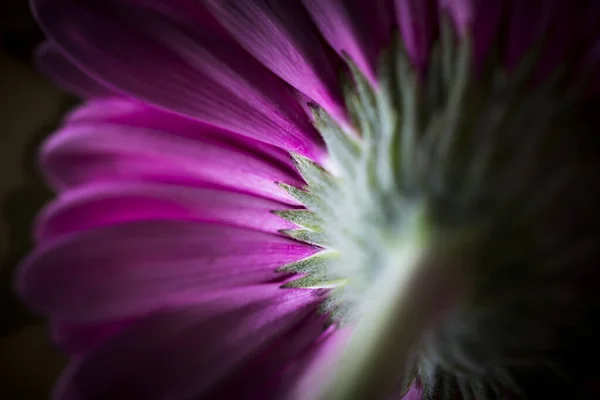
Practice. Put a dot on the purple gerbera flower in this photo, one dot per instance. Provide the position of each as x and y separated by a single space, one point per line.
322 199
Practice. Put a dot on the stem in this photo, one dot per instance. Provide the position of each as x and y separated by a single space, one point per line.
404 303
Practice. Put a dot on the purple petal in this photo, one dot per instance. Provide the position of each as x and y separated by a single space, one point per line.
80 338
559 26
100 205
462 13
316 364
189 10
591 62
51 63
90 153
563 28
182 354
418 21
568 34
138 267
591 32
590 35
175 64
527 21
414 393
480 18
281 35
268 375
109 109
134 113
357 28
76 339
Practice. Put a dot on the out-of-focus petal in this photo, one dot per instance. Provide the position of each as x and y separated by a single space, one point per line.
101 205
356 28
591 58
414 393
174 63
566 35
281 35
315 365
137 267
182 354
592 63
418 22
83 154
527 21
480 19
561 29
50 62
74 339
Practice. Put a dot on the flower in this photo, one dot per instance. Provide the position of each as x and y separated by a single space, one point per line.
321 199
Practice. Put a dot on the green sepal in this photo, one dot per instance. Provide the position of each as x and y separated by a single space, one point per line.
336 308
316 270
317 264
362 102
310 200
341 146
307 236
304 218
317 178
314 282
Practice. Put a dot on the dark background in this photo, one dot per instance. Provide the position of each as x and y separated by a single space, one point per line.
30 108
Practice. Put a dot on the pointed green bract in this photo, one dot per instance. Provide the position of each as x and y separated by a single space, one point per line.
319 180
308 236
312 282
336 306
315 264
342 148
303 218
311 201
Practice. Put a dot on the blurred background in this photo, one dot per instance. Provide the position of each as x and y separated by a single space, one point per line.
30 108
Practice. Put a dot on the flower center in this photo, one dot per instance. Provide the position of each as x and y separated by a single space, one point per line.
443 187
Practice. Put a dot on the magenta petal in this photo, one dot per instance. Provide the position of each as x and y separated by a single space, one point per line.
137 267
88 153
127 112
315 365
281 35
418 21
181 354
107 109
78 338
50 62
462 13
102 205
591 62
193 11
75 339
485 26
526 23
568 34
356 28
414 393
267 375
480 18
175 64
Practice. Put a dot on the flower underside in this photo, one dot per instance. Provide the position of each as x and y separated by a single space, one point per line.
467 163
